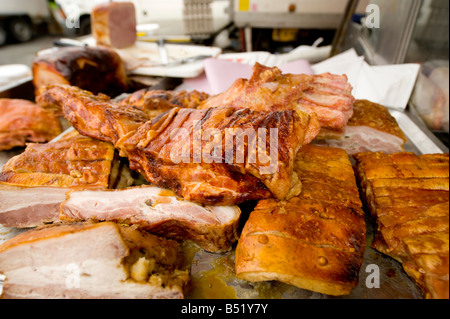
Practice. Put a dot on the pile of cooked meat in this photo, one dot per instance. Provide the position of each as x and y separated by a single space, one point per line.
136 174
407 195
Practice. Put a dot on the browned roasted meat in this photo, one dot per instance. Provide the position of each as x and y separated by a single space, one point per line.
158 211
315 240
97 69
76 161
33 184
156 102
228 163
92 115
327 96
408 195
23 121
371 129
91 261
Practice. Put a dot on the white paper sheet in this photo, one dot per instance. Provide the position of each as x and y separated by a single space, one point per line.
389 85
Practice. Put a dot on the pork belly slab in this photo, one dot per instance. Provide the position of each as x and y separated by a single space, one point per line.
158 211
33 184
91 261
23 121
408 195
163 150
371 129
97 69
314 241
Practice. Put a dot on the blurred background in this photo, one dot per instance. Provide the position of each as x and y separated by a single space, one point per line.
27 26
418 29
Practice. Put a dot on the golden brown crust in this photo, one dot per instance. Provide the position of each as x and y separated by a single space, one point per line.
156 102
408 196
153 141
72 162
376 116
314 241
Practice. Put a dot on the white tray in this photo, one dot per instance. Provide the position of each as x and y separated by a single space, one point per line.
140 57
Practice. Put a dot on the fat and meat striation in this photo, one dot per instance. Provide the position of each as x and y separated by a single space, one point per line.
158 211
34 183
371 129
91 261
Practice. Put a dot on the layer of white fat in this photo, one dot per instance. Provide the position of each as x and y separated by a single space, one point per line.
144 203
366 139
25 198
86 263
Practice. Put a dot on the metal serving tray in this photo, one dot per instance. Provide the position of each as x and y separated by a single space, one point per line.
213 274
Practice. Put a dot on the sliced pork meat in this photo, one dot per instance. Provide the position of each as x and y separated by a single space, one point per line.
371 129
33 184
24 207
158 211
69 261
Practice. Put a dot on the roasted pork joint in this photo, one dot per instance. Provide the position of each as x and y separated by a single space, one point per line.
407 195
327 96
217 156
156 102
70 261
97 69
158 211
314 241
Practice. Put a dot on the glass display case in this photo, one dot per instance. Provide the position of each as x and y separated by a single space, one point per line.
411 31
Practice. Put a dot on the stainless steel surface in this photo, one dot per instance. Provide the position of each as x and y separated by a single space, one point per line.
163 55
421 139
